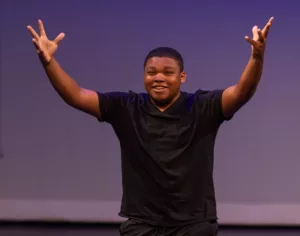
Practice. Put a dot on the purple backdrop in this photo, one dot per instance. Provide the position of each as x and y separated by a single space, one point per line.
1 67
62 164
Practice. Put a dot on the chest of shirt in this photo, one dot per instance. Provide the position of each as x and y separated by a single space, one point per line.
163 130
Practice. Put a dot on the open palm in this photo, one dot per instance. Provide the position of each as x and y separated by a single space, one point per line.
45 48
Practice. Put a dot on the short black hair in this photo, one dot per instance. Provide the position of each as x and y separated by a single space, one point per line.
166 52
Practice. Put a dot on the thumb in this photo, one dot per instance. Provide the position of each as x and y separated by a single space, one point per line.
59 38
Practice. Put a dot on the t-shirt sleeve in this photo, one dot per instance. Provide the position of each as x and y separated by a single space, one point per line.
112 105
211 104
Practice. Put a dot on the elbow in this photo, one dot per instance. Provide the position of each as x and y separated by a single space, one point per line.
72 100
244 95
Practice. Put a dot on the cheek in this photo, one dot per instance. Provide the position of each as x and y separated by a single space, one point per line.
147 81
175 82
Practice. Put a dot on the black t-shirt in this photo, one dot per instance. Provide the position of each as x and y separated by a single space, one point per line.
167 157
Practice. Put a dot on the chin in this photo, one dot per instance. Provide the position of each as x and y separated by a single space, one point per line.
161 100
158 97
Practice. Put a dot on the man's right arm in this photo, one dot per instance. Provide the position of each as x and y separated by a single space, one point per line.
82 99
77 97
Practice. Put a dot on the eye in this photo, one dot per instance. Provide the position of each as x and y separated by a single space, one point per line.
169 72
151 72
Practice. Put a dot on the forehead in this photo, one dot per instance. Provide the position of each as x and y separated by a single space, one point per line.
161 62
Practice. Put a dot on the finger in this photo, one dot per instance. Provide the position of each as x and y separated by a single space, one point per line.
251 41
260 35
267 27
59 38
255 33
42 29
37 45
32 32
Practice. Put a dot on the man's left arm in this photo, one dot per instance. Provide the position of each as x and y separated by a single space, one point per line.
234 97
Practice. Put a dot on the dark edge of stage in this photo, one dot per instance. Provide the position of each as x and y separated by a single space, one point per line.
85 225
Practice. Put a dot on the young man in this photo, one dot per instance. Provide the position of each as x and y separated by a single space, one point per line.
166 136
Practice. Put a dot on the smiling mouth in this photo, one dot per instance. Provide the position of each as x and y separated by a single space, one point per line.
159 88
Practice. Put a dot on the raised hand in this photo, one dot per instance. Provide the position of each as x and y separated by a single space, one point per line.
259 39
45 47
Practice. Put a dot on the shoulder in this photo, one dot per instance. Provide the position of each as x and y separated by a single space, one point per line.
202 95
115 103
134 97
125 96
208 94
122 99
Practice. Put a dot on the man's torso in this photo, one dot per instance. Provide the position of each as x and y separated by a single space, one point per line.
167 160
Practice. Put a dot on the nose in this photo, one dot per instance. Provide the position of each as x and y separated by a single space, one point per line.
159 78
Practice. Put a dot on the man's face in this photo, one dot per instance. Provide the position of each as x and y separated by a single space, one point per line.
162 79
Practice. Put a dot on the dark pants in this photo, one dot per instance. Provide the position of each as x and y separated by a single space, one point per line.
133 227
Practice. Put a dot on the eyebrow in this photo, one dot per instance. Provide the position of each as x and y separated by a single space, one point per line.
169 67
166 67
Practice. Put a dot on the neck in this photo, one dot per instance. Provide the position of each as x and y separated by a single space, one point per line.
162 106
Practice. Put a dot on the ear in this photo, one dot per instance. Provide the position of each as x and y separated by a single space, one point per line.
182 77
